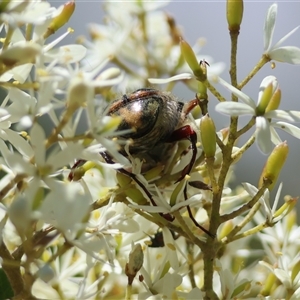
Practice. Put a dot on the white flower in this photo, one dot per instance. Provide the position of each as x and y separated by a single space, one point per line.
265 126
232 286
65 200
288 54
184 74
68 271
155 281
36 165
162 205
265 201
33 12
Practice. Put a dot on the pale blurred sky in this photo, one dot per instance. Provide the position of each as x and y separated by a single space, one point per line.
208 19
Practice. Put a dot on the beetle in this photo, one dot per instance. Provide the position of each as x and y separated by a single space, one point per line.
155 119
152 120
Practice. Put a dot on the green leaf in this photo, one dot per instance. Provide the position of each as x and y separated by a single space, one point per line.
6 291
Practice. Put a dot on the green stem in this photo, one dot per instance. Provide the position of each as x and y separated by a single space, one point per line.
244 148
233 68
251 231
8 37
248 126
264 59
214 91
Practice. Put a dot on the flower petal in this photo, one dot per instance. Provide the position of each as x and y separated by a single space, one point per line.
245 98
285 37
284 115
275 138
289 128
234 109
182 76
250 189
263 135
38 137
288 54
269 26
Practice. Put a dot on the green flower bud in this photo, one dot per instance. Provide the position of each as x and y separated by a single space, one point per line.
130 190
274 165
3 5
226 229
60 20
178 191
265 99
291 219
154 172
269 285
295 270
268 89
286 208
191 59
123 180
243 287
79 172
208 136
274 101
235 10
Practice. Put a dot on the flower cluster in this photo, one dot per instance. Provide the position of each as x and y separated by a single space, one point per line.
83 216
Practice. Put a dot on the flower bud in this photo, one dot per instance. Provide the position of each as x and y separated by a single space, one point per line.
78 94
130 190
3 5
20 54
191 59
234 10
178 191
291 219
243 287
264 101
123 180
267 88
60 20
286 208
274 101
135 262
225 134
269 284
226 229
154 172
78 172
295 270
208 136
274 165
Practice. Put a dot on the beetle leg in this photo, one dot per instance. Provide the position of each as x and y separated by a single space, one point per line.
109 160
186 132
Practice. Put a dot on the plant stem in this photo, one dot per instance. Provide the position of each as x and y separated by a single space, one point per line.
12 269
264 59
